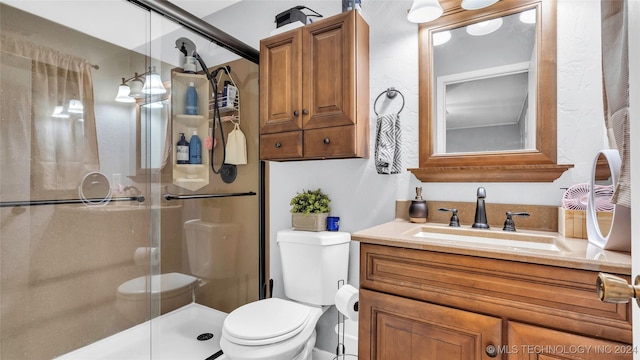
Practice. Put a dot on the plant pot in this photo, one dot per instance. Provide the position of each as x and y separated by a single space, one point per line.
309 222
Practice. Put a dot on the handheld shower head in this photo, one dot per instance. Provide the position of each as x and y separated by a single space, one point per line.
186 46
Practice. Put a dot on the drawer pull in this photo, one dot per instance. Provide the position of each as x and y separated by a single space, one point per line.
491 350
296 113
326 140
304 112
278 144
613 289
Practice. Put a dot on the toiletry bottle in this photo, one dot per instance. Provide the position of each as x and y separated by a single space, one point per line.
182 150
195 149
191 100
418 209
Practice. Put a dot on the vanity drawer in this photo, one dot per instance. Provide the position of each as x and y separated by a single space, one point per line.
549 296
331 142
286 145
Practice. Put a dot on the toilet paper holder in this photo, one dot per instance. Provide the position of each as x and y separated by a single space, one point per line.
340 348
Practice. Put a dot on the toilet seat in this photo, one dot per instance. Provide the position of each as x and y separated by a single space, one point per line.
281 350
166 284
266 322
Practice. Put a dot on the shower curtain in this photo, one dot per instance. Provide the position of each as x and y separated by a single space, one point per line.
615 70
63 140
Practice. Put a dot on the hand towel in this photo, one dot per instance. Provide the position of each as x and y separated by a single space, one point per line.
388 144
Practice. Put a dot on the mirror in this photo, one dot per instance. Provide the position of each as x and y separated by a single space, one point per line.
152 115
488 102
483 97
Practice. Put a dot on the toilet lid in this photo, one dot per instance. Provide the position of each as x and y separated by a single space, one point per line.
266 322
163 283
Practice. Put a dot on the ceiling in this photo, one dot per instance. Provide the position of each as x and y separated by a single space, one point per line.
74 14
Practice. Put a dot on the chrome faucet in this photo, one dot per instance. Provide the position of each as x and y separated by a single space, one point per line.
136 192
480 221
134 189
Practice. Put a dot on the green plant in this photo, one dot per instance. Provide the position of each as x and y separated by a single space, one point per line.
309 201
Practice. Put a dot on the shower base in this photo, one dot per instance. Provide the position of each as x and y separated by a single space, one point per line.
184 333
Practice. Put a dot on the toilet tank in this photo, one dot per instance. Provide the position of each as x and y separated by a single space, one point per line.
211 248
313 263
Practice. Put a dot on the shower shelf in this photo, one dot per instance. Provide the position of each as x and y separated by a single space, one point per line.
206 196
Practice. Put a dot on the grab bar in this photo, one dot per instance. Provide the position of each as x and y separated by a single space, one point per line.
67 201
206 196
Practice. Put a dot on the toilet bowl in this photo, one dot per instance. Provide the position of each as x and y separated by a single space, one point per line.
313 265
174 290
211 250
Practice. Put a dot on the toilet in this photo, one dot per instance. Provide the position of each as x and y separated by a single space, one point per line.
211 250
314 264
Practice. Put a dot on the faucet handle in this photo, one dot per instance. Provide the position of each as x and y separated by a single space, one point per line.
509 224
454 221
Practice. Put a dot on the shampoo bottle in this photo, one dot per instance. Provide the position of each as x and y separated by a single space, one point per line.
191 100
195 149
182 150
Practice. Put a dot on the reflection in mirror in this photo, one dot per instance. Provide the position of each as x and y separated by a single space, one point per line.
484 81
474 125
604 192
153 127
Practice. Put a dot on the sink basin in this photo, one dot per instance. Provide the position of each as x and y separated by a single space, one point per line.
493 238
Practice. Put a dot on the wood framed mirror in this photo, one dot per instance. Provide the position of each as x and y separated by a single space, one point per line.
153 140
451 105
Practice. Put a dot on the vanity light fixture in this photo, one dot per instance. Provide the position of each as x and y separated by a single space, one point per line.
133 88
476 4
153 83
58 112
441 37
528 17
484 27
123 93
75 107
424 11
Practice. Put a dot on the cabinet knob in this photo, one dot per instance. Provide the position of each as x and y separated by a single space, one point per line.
491 350
278 144
613 289
304 112
296 113
326 140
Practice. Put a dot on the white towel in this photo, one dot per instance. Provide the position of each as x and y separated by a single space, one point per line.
388 144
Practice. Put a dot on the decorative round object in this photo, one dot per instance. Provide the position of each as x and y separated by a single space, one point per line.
95 189
619 236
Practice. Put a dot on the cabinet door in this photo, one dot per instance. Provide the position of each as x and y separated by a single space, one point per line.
329 68
393 328
281 83
528 342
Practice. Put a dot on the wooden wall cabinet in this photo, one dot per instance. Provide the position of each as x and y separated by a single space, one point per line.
418 304
314 91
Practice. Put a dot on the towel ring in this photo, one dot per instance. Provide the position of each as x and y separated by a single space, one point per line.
391 94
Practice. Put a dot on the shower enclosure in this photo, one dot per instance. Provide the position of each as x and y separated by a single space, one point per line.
88 195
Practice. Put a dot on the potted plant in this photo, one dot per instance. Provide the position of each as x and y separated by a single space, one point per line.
309 210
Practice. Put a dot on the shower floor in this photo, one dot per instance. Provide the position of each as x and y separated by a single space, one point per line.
174 336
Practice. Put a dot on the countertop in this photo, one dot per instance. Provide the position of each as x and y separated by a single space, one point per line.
574 253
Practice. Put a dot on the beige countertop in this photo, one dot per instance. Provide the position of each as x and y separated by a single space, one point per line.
537 247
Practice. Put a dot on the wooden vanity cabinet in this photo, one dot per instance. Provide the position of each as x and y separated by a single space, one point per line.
314 91
420 304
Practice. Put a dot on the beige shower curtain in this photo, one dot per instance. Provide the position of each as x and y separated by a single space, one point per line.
65 148
615 70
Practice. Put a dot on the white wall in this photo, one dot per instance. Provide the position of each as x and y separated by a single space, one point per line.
360 196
